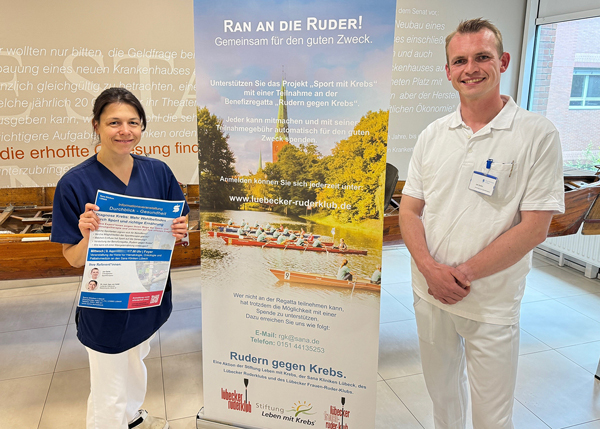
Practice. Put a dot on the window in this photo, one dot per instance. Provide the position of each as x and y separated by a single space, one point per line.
565 86
585 89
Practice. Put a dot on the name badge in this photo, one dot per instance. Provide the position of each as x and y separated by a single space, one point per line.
483 183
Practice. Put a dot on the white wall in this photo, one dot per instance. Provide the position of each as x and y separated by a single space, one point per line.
442 17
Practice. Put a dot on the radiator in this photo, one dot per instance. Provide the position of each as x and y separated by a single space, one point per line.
584 250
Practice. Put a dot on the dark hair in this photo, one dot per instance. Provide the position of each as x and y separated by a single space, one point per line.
475 26
117 95
93 281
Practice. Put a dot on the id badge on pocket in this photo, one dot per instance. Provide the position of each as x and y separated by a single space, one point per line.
483 183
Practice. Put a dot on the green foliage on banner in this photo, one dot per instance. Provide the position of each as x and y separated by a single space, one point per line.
300 164
356 171
215 161
357 163
255 187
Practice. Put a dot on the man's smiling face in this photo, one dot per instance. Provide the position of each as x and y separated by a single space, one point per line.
475 65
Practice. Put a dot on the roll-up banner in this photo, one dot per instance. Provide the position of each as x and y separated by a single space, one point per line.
292 116
57 56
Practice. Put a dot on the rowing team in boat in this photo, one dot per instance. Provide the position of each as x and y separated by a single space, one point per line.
298 240
245 229
282 237
285 237
272 244
250 230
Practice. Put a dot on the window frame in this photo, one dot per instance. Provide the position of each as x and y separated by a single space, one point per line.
530 37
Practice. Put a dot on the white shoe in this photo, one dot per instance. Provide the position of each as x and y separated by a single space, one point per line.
145 421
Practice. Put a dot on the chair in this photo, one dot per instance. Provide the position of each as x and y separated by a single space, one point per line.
391 179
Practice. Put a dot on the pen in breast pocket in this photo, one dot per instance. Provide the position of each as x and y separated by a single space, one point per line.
512 165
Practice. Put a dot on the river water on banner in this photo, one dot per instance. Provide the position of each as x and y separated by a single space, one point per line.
247 265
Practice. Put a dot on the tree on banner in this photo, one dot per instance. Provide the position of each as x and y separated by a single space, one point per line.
300 164
216 164
358 163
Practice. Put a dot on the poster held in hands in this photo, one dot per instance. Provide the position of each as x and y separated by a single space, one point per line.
129 256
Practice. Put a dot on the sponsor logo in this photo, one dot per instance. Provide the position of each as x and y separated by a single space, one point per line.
334 419
237 401
301 408
299 412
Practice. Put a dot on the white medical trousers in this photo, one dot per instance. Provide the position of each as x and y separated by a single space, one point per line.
118 387
452 347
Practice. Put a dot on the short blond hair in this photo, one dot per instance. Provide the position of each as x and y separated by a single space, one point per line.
475 26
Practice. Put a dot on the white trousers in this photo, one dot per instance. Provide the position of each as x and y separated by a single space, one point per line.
452 347
118 387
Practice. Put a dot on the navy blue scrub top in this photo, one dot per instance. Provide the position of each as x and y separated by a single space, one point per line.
112 331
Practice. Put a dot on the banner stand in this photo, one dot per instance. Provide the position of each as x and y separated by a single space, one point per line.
202 423
279 150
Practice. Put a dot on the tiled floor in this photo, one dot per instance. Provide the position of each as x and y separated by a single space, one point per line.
44 370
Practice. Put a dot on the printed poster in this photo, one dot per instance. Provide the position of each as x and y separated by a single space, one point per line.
293 102
129 256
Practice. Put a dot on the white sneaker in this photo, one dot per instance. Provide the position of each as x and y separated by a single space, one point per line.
144 421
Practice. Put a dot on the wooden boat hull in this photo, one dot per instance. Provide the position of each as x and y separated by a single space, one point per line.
591 223
578 210
391 225
25 210
41 259
577 205
322 280
271 245
391 228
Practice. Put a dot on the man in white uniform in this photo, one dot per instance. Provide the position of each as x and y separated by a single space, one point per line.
482 186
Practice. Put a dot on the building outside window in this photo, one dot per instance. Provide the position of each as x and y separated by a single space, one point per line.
566 86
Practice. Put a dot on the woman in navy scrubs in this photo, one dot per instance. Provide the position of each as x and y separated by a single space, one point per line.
117 341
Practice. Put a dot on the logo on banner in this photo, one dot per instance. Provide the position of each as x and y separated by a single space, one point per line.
237 401
301 409
334 419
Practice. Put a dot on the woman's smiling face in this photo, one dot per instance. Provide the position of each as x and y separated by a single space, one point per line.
119 128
